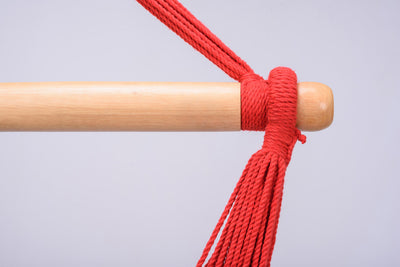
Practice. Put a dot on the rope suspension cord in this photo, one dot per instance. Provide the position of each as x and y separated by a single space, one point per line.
250 218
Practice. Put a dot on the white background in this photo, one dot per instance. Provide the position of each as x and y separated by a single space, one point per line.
152 199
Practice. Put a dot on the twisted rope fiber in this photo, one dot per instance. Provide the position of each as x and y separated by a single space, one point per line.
251 216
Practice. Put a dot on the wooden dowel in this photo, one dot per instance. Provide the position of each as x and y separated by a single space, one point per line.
142 106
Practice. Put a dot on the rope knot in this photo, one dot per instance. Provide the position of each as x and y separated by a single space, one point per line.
281 133
271 105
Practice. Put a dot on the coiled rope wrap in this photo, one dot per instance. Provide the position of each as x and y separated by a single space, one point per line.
251 216
271 106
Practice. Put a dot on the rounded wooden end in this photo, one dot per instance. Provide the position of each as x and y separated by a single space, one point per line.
314 106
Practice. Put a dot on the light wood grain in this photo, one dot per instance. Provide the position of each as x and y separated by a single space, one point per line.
134 106
314 106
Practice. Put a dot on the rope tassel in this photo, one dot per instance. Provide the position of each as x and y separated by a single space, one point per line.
248 225
252 212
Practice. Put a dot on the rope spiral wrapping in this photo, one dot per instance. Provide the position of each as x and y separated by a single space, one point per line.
270 106
250 218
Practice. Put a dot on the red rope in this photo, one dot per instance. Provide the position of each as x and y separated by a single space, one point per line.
250 219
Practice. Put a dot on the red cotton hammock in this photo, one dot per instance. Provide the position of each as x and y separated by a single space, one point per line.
248 224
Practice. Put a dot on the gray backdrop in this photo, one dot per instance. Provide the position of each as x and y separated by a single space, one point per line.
152 199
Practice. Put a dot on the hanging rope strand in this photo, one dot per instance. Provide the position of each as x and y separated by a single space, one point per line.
174 15
250 219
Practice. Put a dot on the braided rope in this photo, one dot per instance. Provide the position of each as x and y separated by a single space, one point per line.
250 218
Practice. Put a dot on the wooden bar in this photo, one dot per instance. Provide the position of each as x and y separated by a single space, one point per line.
137 106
